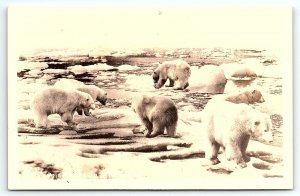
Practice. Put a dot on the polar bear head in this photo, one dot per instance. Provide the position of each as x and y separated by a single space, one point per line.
101 96
140 102
255 96
86 100
261 127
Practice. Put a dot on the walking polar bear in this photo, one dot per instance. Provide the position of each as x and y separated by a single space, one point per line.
177 71
156 113
96 93
59 101
230 126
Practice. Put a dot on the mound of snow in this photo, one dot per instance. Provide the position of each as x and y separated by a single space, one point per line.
68 83
128 68
77 69
22 65
55 71
34 72
207 79
99 67
238 70
207 75
139 82
243 72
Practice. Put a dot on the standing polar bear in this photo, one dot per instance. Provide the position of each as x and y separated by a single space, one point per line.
96 93
156 113
59 101
177 71
232 130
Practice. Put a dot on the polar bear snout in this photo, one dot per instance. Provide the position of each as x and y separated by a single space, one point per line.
261 100
102 100
155 77
93 106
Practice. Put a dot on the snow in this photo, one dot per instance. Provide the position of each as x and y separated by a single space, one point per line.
77 69
59 158
127 67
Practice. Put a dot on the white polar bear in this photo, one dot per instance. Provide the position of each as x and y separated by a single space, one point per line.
230 126
96 93
58 101
156 113
177 71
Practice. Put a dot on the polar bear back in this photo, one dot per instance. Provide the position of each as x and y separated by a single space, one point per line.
223 120
176 68
55 100
226 119
93 90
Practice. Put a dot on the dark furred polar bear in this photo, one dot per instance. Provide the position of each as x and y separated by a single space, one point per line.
58 101
156 113
177 71
230 126
96 93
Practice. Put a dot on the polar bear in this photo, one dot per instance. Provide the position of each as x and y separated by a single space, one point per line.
249 96
96 93
156 113
58 101
231 128
177 71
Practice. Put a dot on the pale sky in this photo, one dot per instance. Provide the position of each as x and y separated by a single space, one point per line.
30 28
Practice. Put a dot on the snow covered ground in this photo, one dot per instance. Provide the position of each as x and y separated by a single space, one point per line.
109 148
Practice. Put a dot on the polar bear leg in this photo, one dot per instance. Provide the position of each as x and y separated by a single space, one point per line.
212 153
177 86
243 146
171 129
181 85
68 118
233 152
41 121
160 83
148 126
79 110
171 84
186 85
158 128
87 111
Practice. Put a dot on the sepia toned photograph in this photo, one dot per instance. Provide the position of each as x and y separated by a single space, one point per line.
150 98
